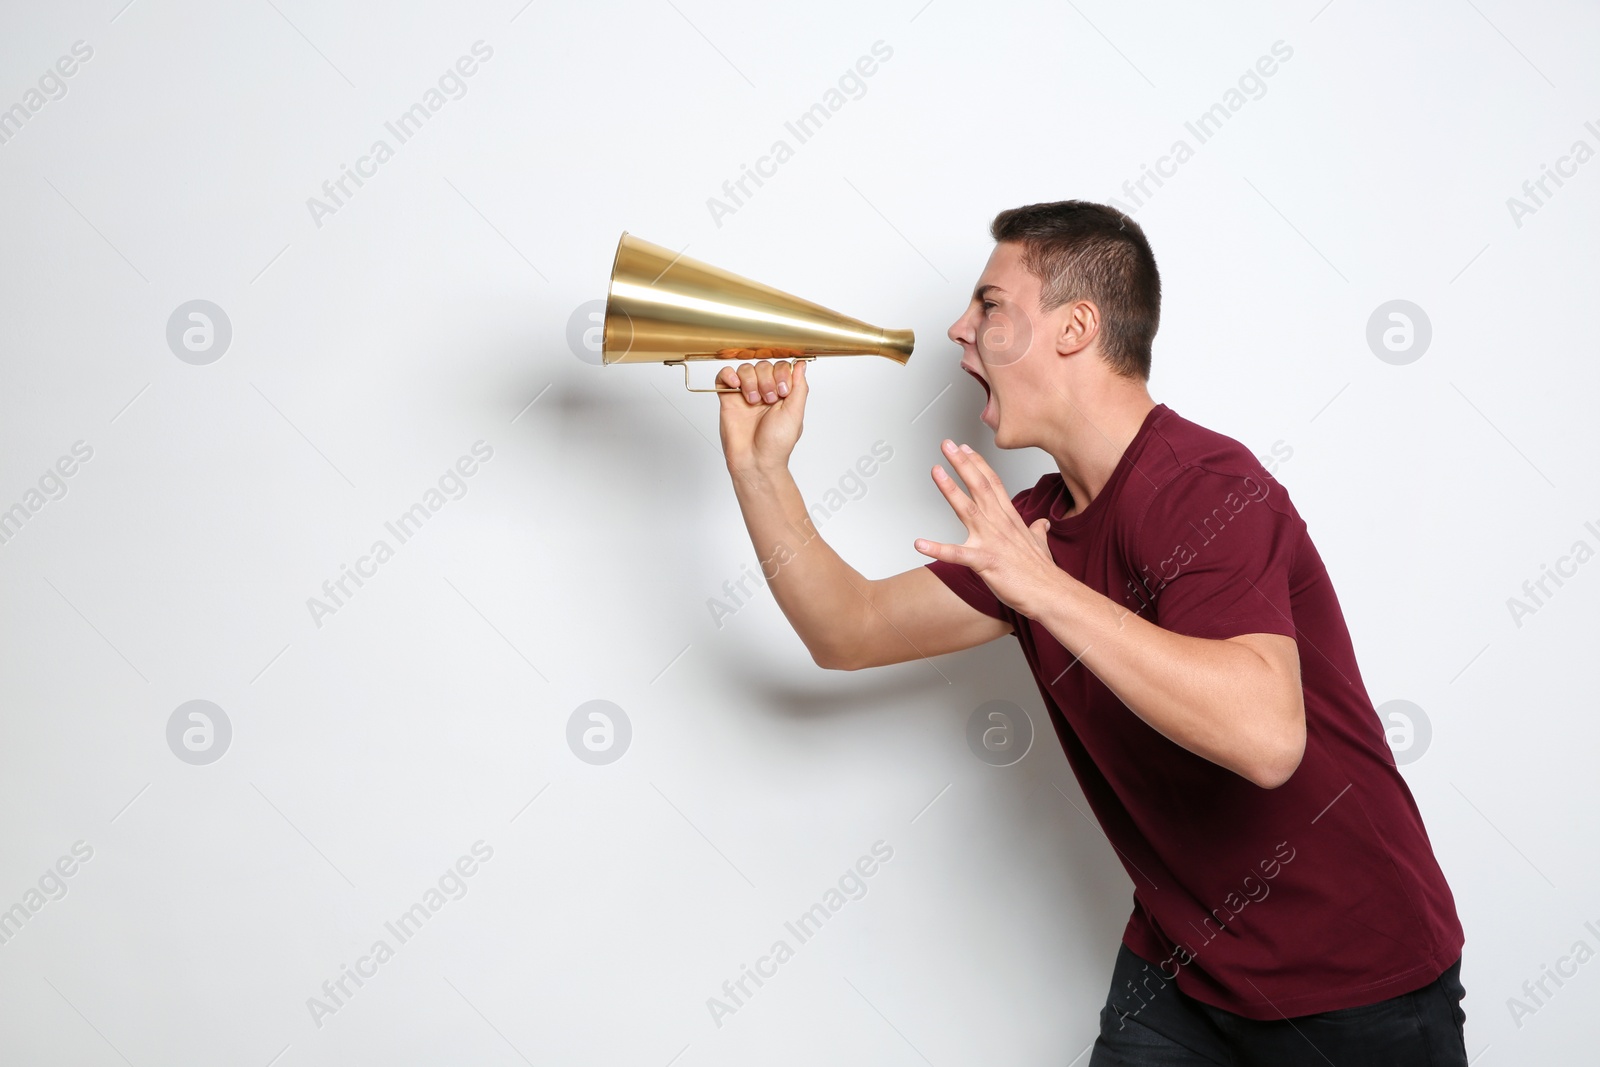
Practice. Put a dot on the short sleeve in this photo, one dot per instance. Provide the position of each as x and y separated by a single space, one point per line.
1213 553
966 584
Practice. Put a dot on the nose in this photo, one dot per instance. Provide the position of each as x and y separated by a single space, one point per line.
963 331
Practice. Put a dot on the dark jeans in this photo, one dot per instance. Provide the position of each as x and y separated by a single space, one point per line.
1164 1027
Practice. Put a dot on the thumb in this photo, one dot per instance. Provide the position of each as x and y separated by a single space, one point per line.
730 399
799 387
1039 528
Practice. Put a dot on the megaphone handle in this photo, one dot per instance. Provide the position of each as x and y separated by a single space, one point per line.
684 363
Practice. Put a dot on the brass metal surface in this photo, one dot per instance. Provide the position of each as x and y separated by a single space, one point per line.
665 307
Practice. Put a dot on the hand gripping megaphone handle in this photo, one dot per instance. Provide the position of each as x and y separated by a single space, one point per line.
684 363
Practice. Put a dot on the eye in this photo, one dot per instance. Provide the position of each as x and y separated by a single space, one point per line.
989 305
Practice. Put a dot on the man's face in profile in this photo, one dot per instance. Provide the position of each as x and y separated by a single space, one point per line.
995 333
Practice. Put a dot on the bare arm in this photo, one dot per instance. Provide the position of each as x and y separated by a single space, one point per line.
1237 702
845 620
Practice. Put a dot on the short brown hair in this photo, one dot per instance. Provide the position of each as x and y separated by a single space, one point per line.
1082 250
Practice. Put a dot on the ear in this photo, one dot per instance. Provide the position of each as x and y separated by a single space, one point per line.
1080 325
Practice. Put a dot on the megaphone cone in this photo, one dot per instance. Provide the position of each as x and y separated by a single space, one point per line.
664 307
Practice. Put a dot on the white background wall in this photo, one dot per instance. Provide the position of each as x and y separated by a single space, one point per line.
430 711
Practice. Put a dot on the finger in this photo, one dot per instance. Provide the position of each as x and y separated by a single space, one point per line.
959 502
799 384
949 553
988 471
1040 528
764 382
747 383
780 376
972 473
959 465
728 376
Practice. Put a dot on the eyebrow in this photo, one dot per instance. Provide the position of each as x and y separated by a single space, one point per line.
977 294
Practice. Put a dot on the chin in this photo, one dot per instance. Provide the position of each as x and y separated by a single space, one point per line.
1005 438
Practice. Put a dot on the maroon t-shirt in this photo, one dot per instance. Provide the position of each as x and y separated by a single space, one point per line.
1321 894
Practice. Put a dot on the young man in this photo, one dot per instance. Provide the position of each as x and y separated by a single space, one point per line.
1192 655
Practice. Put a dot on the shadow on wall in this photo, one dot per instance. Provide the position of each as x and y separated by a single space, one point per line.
619 430
836 693
1030 813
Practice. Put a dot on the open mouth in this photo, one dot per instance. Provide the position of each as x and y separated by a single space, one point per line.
990 410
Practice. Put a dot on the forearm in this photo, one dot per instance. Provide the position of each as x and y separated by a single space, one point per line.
822 596
1219 699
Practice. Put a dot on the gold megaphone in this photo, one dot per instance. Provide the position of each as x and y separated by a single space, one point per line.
664 307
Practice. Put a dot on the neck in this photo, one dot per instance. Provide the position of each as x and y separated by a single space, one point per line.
1094 432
